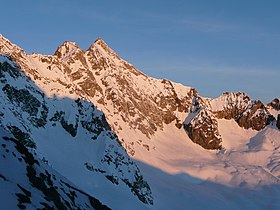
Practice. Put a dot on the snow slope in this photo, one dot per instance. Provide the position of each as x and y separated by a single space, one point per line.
27 182
73 137
183 175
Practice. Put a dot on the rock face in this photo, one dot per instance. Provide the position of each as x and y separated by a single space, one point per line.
66 131
278 121
275 104
239 106
202 126
255 116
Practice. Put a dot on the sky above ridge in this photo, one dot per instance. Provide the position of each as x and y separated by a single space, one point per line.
214 46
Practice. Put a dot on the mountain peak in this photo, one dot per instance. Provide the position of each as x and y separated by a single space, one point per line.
275 103
13 51
2 37
7 47
103 48
67 49
100 40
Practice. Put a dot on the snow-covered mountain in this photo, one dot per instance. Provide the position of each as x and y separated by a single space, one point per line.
158 145
71 135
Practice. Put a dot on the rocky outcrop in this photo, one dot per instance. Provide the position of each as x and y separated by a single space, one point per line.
202 126
230 105
239 106
255 116
278 122
275 104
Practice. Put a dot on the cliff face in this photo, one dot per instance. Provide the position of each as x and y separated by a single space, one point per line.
202 126
278 121
239 106
275 104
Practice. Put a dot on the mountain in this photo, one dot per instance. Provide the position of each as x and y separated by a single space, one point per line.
71 135
151 143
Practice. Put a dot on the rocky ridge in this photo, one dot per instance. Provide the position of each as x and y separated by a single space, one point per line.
274 108
275 104
43 123
239 106
132 100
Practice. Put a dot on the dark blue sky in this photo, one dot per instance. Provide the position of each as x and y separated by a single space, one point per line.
215 46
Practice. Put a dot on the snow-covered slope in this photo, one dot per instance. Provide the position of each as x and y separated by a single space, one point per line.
72 136
29 183
155 122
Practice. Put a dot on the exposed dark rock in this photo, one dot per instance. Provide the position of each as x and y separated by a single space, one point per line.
275 104
6 67
3 177
234 104
247 113
112 179
202 126
278 122
23 98
254 116
69 127
22 137
27 156
96 125
203 130
23 198
137 186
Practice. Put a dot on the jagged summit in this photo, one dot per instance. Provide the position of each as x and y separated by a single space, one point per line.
101 48
7 47
275 103
67 49
3 38
99 40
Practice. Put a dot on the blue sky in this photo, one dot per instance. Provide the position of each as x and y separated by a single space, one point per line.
214 46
